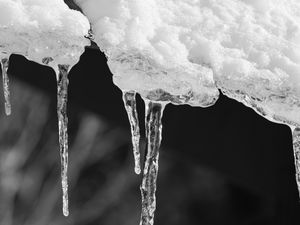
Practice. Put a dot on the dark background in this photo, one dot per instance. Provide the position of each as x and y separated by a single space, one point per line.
219 165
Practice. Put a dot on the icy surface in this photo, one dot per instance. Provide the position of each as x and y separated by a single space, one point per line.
42 29
130 106
181 50
154 113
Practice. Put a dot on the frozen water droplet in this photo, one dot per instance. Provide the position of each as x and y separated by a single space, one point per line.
296 146
130 106
62 98
5 65
154 112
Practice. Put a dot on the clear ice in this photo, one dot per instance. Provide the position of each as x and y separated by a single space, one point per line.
62 98
296 147
130 106
154 112
4 67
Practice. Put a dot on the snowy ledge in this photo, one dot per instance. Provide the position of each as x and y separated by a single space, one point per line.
182 51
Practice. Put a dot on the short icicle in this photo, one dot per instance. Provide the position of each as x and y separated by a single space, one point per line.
296 147
62 97
130 106
154 112
4 67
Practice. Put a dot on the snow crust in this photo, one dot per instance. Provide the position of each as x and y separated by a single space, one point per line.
41 29
183 50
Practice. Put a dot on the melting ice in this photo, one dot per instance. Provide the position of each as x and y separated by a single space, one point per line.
154 113
50 33
62 98
296 146
130 106
4 67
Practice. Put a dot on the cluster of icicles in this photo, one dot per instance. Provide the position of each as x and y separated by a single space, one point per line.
62 97
154 112
153 125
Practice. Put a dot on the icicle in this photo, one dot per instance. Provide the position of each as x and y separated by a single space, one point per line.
130 106
5 64
296 146
154 112
62 97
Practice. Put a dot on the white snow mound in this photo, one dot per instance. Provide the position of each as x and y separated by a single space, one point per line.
183 50
41 29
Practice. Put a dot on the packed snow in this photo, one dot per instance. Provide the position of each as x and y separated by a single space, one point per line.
183 50
42 31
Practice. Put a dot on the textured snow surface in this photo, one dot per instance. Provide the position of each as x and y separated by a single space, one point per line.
41 29
183 50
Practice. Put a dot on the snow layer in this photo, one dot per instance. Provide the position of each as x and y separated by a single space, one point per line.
146 44
41 29
181 50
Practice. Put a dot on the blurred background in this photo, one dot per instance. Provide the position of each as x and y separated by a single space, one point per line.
220 165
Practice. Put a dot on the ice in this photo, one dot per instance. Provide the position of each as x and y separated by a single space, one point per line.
168 51
62 98
130 106
4 67
296 146
153 124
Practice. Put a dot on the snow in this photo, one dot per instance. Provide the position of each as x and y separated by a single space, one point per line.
56 31
183 50
146 50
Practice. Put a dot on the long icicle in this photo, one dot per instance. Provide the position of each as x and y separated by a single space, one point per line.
296 147
62 98
5 79
130 106
154 112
